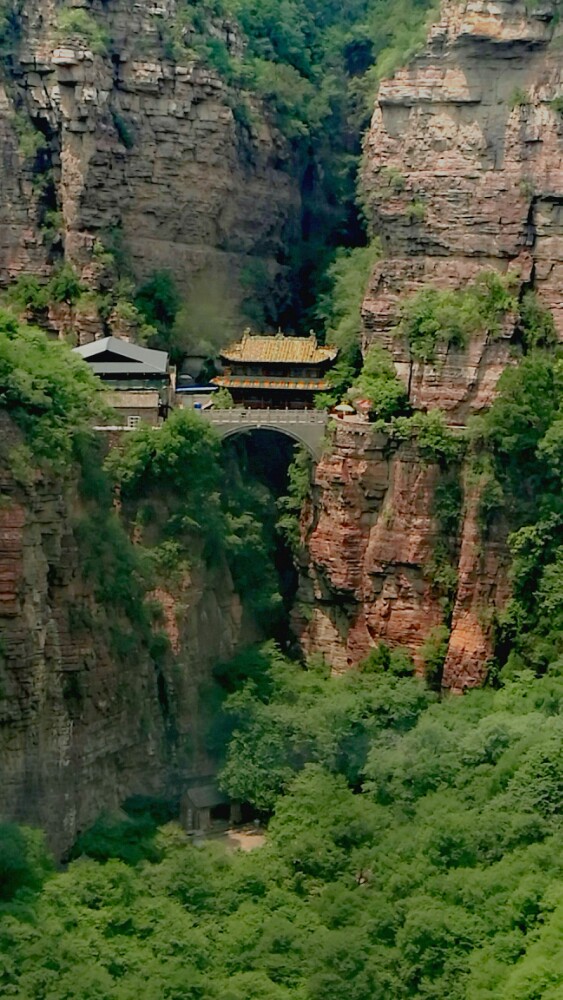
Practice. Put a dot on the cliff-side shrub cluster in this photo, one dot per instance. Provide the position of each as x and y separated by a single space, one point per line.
291 505
28 293
46 390
378 382
10 28
182 492
339 310
435 440
520 442
76 23
435 317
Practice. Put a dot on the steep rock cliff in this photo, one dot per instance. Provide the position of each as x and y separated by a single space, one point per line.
462 172
143 148
90 713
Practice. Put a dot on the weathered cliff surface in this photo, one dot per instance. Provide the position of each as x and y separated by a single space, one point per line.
140 150
90 712
462 172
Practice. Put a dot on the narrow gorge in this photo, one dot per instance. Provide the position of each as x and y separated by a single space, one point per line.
363 646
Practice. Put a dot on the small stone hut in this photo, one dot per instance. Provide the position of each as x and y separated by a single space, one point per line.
203 804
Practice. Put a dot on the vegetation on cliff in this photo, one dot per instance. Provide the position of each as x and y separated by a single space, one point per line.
518 451
46 390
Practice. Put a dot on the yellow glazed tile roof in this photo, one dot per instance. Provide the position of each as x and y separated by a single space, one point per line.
279 350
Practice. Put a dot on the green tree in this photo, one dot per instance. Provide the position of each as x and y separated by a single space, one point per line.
378 382
47 391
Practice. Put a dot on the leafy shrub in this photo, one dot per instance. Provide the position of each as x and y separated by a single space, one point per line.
159 302
28 293
291 505
436 442
416 211
223 400
433 653
30 140
393 179
77 23
24 861
131 839
536 323
433 317
48 391
383 659
521 439
519 98
339 310
65 285
378 382
10 28
124 131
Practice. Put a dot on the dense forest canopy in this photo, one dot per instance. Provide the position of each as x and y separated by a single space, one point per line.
438 874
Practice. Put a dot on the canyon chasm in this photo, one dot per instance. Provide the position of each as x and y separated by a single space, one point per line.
461 171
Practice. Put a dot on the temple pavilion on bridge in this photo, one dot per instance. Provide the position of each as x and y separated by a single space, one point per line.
275 372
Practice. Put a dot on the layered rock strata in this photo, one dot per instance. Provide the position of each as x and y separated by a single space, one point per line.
144 151
463 171
370 536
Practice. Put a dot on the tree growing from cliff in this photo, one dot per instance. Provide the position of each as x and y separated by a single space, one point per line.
378 382
48 391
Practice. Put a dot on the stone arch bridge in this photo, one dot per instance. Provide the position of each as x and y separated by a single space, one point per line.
307 427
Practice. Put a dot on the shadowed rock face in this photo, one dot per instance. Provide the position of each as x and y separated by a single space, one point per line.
462 171
88 714
146 148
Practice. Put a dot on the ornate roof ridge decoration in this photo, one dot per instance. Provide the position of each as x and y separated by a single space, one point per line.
279 349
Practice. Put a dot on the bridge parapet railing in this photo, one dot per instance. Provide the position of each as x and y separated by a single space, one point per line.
264 416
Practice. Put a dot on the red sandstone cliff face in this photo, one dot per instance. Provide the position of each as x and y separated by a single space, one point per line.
370 535
367 543
463 170
143 146
86 718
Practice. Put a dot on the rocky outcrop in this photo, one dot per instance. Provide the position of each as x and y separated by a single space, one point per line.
90 711
482 588
463 172
143 151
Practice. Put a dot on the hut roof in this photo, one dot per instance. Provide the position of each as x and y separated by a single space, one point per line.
207 796
114 356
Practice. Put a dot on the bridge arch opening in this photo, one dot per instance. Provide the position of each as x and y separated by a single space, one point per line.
262 456
264 429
